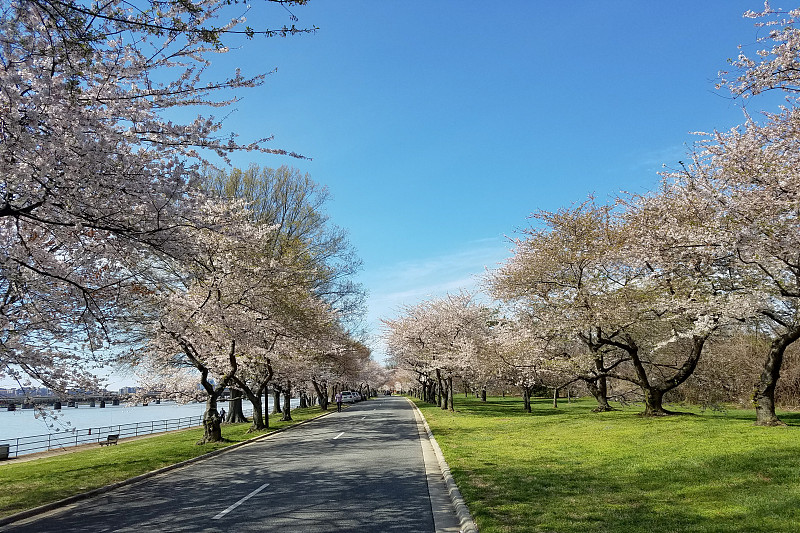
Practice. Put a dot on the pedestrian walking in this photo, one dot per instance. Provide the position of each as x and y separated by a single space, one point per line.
338 402
222 414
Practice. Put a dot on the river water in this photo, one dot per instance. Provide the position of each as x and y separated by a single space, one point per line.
25 423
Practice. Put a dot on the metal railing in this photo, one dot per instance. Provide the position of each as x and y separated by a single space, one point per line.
67 439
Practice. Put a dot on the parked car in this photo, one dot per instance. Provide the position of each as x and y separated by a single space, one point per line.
356 395
347 397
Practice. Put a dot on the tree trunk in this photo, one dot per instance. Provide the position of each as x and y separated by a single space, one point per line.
602 395
653 398
322 394
212 428
597 382
287 406
266 408
555 398
526 398
255 399
258 415
483 394
599 389
303 400
654 394
444 395
440 390
235 412
276 401
764 392
450 388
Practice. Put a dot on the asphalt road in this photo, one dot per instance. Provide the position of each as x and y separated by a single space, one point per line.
361 470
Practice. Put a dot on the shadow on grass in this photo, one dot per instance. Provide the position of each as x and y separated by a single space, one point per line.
789 418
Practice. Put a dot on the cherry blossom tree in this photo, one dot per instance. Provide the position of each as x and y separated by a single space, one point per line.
97 180
555 277
309 356
399 379
776 65
438 339
596 275
521 358
342 359
748 179
223 314
372 376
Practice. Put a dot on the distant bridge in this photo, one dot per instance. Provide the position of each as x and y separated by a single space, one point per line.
100 400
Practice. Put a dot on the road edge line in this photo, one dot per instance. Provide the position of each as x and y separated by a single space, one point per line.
29 513
462 511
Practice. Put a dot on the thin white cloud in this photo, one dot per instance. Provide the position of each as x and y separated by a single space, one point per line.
413 281
655 160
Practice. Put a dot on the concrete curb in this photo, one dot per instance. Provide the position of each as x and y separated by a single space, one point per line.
462 512
10 519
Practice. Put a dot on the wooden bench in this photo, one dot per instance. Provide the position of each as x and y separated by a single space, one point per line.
111 439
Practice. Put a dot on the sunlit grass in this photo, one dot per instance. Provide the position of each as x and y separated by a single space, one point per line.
571 470
29 484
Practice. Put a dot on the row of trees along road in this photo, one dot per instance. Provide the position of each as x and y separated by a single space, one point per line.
639 290
120 245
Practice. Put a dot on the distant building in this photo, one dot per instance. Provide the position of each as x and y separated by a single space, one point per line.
33 391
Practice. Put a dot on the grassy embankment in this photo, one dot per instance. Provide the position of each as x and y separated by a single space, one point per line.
33 483
570 470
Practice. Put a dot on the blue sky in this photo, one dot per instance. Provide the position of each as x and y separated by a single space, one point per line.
439 127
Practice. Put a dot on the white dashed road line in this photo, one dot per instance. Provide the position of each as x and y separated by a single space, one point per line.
339 435
240 502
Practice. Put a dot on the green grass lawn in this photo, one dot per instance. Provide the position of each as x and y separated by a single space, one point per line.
29 484
571 470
